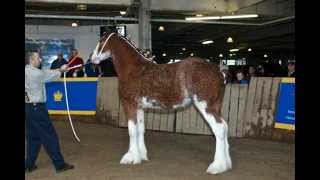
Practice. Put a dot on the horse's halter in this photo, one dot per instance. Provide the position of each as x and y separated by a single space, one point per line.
104 44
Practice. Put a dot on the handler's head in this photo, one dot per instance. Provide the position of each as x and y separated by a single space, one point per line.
34 59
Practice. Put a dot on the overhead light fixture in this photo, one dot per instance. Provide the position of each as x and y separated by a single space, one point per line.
243 16
74 24
191 54
249 49
181 53
203 18
82 7
229 40
183 49
161 28
199 15
207 42
123 12
265 55
230 55
234 50
164 54
220 55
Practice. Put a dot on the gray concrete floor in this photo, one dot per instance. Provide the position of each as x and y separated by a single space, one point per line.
173 156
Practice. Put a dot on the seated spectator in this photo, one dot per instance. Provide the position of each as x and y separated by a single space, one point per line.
241 79
56 64
77 72
92 70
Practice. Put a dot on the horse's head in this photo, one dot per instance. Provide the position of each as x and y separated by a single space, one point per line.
102 50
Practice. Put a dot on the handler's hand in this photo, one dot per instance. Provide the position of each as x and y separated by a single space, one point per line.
64 68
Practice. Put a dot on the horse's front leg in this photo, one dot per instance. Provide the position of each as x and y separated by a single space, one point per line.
133 155
141 130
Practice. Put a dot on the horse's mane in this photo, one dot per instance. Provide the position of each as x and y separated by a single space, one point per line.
134 48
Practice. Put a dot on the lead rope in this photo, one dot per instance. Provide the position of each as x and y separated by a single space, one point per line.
67 103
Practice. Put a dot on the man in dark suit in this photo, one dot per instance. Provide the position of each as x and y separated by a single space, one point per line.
58 62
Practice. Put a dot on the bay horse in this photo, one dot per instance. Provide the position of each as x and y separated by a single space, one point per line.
144 84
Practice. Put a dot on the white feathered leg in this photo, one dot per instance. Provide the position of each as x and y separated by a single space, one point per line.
141 130
220 163
133 154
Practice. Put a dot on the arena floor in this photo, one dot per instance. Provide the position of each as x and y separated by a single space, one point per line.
173 156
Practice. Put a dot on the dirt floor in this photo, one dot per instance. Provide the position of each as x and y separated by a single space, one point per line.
172 156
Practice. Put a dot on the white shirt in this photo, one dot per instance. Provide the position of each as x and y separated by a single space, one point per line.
35 80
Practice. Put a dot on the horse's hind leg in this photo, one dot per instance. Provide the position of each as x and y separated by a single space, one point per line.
222 161
229 162
141 130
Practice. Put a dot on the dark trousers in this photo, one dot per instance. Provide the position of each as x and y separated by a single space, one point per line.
40 131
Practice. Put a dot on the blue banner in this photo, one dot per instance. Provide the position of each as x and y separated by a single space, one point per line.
82 94
285 116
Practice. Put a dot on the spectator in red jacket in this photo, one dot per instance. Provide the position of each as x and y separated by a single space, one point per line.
75 60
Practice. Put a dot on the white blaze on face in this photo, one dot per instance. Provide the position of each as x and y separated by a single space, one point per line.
94 57
98 56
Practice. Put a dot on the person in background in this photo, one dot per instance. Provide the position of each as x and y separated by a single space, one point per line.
92 70
58 62
75 60
240 78
251 72
261 71
39 128
291 69
225 70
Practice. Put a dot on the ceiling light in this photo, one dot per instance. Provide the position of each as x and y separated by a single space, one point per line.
183 49
181 53
265 55
229 40
82 7
123 12
207 42
220 55
164 54
191 54
74 24
222 17
234 50
202 18
249 49
240 16
161 28
199 15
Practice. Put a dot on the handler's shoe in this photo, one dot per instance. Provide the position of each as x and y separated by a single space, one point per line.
65 167
30 169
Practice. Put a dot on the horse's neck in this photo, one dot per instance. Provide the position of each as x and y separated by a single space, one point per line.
126 59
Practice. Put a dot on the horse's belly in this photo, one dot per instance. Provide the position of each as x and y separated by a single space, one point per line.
147 103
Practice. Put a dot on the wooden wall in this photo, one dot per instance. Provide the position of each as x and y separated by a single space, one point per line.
248 109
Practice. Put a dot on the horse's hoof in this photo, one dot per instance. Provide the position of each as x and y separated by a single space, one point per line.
130 158
217 167
145 159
